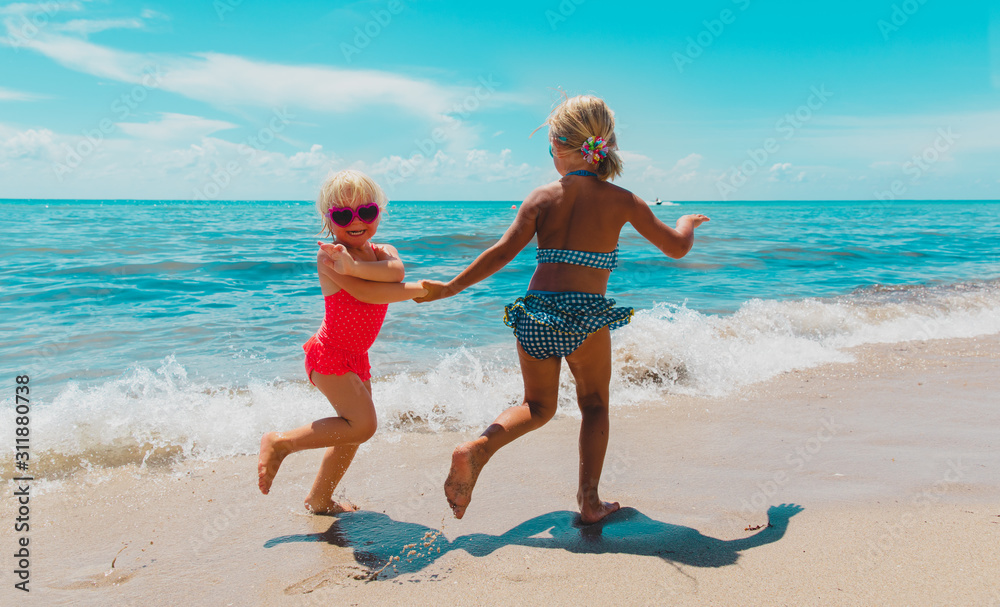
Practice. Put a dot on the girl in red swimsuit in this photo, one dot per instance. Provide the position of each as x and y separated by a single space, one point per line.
358 280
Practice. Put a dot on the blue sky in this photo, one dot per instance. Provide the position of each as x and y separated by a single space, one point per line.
715 100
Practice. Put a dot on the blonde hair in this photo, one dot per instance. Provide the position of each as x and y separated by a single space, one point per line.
577 119
347 189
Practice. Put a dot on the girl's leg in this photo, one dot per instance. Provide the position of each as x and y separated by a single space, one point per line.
356 424
335 463
541 391
591 368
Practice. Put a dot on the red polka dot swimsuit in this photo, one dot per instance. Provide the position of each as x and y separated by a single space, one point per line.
341 344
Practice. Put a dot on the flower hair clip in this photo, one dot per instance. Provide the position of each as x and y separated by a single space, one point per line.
594 149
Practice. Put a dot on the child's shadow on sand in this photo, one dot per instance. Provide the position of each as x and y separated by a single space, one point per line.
377 539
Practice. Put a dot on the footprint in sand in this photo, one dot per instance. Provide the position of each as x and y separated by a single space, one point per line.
98 577
335 576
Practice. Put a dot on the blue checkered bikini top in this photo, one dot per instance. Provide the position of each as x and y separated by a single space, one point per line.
601 261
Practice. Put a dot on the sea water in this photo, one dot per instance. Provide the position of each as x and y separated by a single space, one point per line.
176 327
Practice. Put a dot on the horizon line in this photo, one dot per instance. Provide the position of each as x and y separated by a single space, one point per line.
517 201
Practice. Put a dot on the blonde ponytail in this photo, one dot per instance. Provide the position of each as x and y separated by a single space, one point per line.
579 118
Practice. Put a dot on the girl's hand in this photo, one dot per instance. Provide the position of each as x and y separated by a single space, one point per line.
339 259
435 290
694 220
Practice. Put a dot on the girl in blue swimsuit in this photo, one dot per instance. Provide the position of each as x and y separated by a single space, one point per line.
564 314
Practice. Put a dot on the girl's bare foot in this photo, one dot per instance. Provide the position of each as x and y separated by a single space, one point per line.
272 452
591 513
466 462
328 506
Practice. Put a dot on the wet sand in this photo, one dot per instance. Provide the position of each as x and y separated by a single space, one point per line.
880 478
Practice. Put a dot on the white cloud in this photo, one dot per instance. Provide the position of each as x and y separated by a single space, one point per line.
683 171
152 150
886 165
73 165
38 144
85 27
686 169
175 126
474 165
785 172
232 82
489 166
9 95
229 80
628 156
28 19
34 8
90 58
898 137
651 173
146 163
313 158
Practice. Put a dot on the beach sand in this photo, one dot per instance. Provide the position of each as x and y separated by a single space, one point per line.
881 479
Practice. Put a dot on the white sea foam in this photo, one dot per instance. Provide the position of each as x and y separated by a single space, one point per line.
687 352
148 416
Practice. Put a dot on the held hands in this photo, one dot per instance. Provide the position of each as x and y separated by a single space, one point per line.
435 290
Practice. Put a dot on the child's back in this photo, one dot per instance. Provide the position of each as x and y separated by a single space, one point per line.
578 214
583 214
577 221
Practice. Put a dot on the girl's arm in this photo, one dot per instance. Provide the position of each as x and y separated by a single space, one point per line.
366 290
388 268
674 242
517 236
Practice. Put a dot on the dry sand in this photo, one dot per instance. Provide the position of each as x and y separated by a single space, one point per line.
881 479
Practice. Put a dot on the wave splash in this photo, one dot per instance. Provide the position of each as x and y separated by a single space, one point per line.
152 417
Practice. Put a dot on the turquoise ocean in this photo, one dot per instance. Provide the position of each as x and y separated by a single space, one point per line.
164 330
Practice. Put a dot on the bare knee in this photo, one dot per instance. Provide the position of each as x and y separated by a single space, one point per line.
540 412
594 403
362 429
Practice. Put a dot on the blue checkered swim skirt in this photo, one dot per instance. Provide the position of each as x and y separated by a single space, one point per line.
555 324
